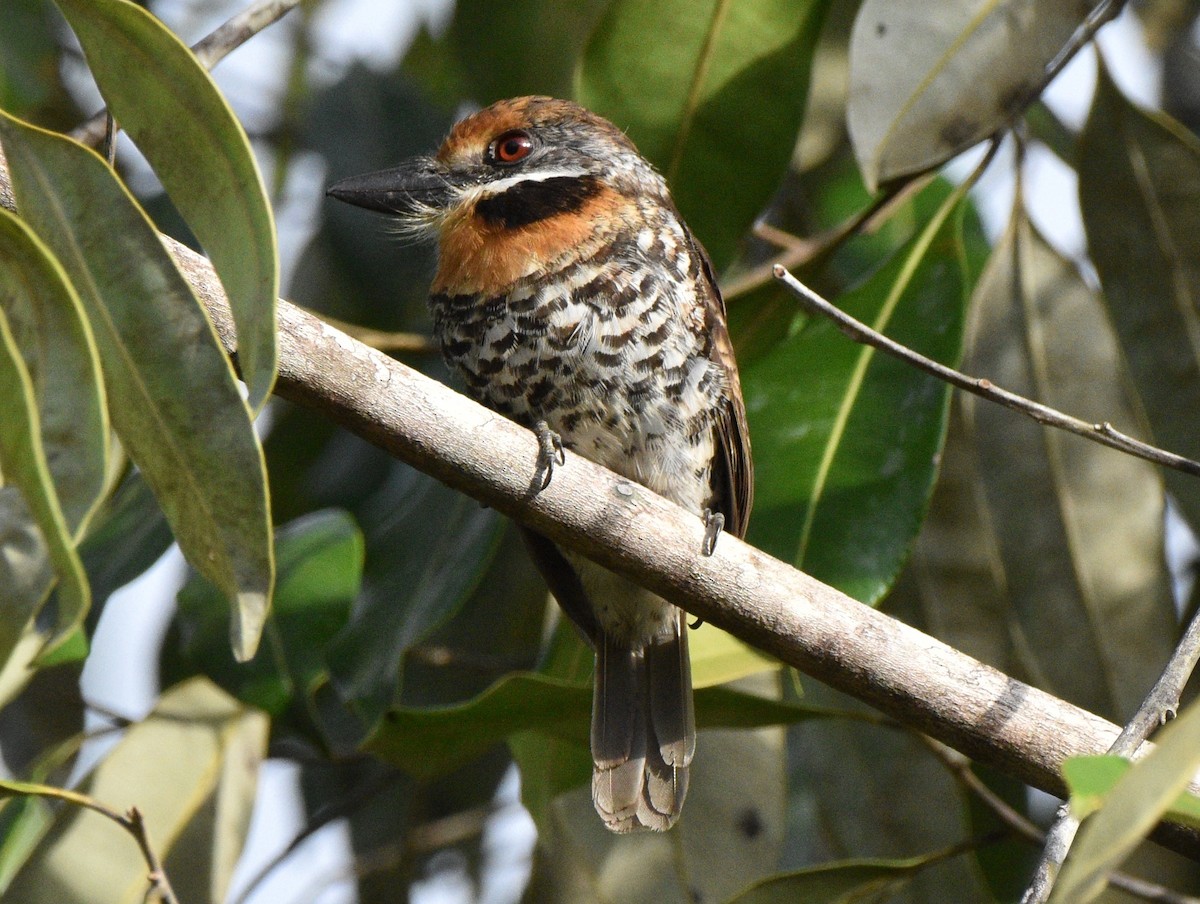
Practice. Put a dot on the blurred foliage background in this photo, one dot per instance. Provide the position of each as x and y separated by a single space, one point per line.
413 664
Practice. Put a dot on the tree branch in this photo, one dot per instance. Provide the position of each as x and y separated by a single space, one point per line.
908 675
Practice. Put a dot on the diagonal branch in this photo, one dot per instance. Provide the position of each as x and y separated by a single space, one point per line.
910 676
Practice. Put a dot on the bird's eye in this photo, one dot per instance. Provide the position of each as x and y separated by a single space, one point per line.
511 147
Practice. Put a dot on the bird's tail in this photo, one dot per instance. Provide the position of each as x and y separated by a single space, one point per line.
643 730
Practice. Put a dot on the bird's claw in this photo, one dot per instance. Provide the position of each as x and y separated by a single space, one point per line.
714 523
550 453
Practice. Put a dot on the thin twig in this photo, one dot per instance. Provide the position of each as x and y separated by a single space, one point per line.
811 252
239 29
1104 433
784 240
132 822
447 830
209 50
1162 702
136 825
1100 16
960 770
1059 838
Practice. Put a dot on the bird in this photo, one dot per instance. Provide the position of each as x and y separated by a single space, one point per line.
571 297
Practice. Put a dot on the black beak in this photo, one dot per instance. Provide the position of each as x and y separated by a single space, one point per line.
422 182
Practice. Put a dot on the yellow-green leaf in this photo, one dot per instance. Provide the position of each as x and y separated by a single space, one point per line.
718 657
167 102
171 390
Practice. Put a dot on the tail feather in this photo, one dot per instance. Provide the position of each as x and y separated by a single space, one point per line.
618 734
643 731
669 675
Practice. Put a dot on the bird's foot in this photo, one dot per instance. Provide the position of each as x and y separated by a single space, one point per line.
714 523
550 453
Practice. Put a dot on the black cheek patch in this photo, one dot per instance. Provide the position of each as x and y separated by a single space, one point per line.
534 200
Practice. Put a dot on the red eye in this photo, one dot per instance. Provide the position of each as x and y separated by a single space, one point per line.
511 147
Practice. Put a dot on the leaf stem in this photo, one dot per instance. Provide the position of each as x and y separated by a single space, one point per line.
1103 433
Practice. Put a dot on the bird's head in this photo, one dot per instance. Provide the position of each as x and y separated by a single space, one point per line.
517 189
510 166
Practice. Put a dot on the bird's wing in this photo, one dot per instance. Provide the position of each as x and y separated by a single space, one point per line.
563 582
733 469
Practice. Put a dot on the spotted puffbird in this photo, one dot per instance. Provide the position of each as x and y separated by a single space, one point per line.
571 297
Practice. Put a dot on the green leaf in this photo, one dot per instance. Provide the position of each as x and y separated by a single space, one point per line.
846 440
162 96
1137 802
1076 528
50 713
549 766
1139 190
1090 779
51 330
57 358
25 822
433 741
29 59
172 395
689 81
1186 809
925 87
33 531
319 565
